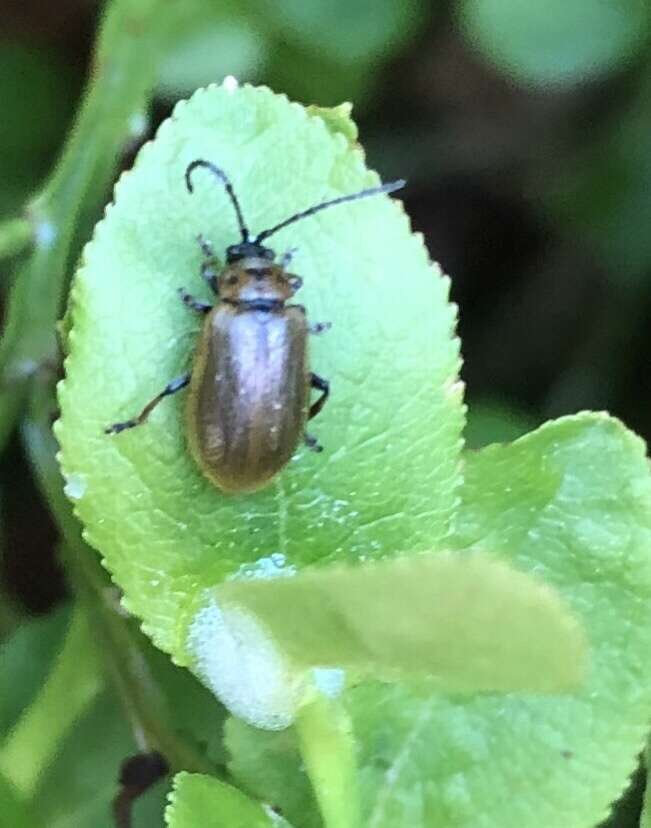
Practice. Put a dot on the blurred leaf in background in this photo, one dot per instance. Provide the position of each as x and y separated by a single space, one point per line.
557 42
38 93
213 40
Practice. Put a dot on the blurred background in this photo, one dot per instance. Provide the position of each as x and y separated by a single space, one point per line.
524 130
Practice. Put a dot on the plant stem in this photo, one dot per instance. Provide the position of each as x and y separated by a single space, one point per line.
72 684
132 35
121 645
328 750
15 234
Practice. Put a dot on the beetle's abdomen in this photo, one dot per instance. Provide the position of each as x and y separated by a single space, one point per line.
248 394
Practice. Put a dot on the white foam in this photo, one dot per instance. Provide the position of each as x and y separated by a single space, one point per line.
237 659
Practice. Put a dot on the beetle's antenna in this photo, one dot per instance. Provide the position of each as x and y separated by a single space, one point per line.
384 188
221 175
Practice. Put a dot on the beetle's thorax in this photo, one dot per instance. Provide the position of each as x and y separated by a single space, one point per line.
255 282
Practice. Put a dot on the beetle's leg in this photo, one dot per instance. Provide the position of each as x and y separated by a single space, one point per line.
286 258
209 268
206 246
319 327
312 443
295 283
209 274
195 304
322 385
171 388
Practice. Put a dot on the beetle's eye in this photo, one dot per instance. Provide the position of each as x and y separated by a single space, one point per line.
232 280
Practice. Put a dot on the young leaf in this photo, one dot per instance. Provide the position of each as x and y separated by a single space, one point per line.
468 622
387 479
205 801
571 503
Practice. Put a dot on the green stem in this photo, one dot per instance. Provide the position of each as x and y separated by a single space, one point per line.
122 646
15 235
132 36
72 684
328 750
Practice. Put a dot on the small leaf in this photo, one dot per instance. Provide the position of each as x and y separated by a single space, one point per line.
388 476
199 800
556 42
571 503
468 622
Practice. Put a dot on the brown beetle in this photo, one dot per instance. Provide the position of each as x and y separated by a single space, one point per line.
250 380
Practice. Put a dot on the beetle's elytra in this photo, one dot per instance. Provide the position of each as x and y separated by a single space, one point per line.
250 381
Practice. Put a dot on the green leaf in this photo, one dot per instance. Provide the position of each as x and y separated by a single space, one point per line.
268 765
571 503
205 801
387 479
556 42
468 622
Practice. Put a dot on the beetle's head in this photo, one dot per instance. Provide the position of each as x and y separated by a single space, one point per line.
255 279
248 249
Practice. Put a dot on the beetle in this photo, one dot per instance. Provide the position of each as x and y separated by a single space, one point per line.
250 382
